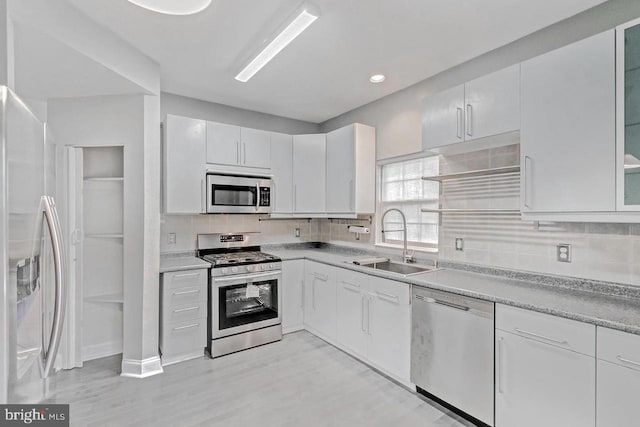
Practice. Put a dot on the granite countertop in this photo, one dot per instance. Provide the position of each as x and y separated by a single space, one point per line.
181 262
600 304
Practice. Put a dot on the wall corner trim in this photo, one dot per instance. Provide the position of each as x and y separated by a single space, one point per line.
144 368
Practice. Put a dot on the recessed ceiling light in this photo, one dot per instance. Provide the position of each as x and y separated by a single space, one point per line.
293 30
377 78
173 7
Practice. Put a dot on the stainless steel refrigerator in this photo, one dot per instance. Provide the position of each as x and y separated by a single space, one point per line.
32 259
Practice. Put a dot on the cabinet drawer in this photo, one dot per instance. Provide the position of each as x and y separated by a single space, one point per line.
390 291
182 296
569 334
183 337
352 280
323 272
619 347
182 279
183 313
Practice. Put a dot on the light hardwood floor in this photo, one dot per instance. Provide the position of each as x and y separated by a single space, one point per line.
298 382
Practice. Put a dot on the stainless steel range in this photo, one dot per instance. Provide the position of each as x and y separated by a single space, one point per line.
244 293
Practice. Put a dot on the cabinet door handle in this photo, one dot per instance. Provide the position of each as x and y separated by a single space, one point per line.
313 294
182 310
352 207
322 277
459 123
542 337
351 286
302 294
183 276
295 198
202 196
499 370
469 120
631 362
362 308
238 152
193 325
369 315
244 153
527 159
197 291
395 299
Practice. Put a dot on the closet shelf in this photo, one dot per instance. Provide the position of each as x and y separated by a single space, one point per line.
474 173
108 298
107 178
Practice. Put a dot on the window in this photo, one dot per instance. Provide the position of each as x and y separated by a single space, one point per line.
402 187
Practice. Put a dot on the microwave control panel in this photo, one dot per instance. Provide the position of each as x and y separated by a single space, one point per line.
265 196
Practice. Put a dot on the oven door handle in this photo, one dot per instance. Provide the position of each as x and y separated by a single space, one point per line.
247 277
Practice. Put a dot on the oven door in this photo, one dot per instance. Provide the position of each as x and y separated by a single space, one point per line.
238 194
244 303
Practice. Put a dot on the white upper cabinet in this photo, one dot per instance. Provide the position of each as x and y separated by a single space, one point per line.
628 116
282 170
443 118
351 170
568 128
223 144
256 148
487 106
231 145
309 173
184 167
492 104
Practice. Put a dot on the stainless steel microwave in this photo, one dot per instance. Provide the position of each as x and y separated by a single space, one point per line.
238 194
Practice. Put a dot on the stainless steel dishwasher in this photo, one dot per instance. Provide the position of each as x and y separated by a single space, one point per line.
452 347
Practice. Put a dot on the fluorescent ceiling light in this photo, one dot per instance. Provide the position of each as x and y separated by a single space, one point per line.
377 78
293 30
173 7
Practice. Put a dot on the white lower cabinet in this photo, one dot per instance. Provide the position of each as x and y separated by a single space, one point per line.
618 385
183 315
292 296
320 299
374 321
542 377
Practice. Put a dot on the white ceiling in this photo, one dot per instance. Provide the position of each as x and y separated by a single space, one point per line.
325 71
46 68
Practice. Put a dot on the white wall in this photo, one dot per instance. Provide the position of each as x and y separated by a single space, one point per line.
397 117
190 107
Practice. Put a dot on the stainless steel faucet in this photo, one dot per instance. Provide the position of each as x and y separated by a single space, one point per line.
406 257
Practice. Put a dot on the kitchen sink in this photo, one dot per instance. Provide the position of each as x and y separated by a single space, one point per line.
394 267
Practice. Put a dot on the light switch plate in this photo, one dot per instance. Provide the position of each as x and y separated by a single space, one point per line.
171 238
297 232
563 252
459 244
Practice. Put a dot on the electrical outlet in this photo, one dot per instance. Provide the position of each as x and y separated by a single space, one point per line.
171 238
459 244
563 252
297 232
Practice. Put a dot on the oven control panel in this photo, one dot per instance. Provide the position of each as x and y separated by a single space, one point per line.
246 269
228 238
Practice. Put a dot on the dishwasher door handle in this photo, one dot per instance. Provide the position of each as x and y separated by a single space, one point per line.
441 302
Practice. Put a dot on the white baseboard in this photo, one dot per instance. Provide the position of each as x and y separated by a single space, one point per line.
133 368
97 351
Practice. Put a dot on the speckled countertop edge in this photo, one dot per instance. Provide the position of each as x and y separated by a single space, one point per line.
610 294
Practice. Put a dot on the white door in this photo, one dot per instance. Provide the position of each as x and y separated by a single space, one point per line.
443 118
341 165
617 395
184 165
256 148
320 299
539 384
492 104
282 170
309 181
351 301
292 295
389 326
568 135
223 144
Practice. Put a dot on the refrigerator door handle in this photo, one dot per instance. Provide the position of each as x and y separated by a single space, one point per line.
59 261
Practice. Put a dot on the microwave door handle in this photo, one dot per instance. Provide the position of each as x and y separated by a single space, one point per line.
257 197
